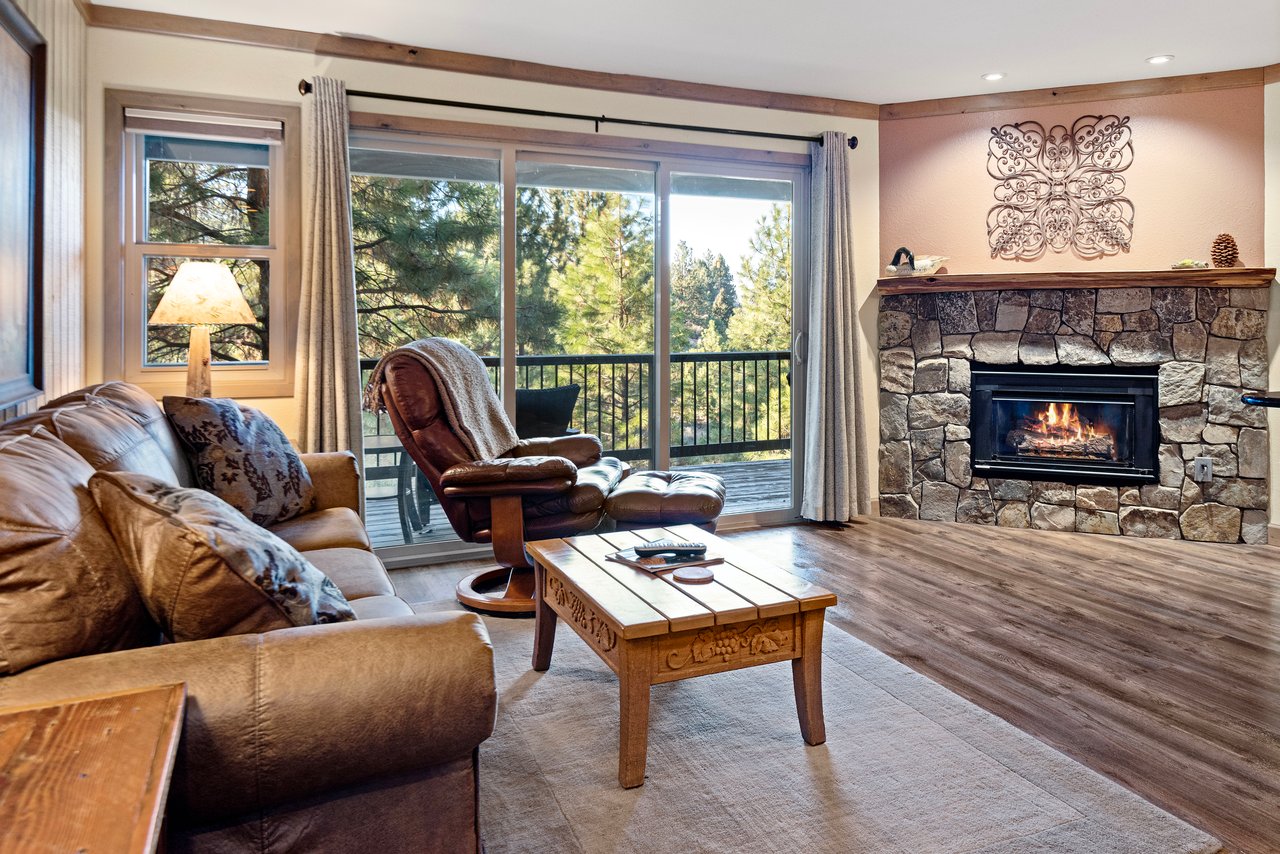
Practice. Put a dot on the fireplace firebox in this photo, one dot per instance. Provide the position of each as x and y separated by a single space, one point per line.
1075 425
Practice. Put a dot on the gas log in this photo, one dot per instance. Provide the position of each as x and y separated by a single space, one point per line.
1038 443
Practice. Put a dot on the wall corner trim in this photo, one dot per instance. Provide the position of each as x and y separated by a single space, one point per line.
1024 99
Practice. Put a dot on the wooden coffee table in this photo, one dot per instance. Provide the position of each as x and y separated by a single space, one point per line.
650 629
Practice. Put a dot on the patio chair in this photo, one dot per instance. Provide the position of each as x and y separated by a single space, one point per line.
545 411
413 494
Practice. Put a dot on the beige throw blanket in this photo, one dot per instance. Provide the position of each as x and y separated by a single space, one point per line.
470 404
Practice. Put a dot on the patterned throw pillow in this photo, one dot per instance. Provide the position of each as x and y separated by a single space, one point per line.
203 569
241 456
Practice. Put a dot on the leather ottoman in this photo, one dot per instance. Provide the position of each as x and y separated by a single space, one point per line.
652 499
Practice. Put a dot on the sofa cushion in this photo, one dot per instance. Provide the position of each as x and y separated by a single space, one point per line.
241 456
64 589
110 439
140 406
203 569
377 607
336 527
357 572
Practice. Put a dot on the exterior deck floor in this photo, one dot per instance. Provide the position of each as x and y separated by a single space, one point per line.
752 487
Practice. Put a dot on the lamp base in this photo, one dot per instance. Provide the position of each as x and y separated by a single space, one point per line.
199 378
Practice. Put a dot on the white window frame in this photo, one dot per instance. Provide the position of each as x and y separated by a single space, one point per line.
125 246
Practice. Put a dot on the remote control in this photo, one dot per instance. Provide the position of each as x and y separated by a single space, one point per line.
672 547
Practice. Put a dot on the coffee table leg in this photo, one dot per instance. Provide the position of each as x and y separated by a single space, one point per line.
633 703
544 620
806 673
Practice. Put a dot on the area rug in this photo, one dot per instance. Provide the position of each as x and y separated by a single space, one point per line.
907 767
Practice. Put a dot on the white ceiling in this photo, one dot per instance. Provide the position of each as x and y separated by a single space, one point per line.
880 52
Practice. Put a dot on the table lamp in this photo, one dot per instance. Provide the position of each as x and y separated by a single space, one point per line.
202 294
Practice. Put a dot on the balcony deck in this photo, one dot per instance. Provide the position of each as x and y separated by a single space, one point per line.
751 487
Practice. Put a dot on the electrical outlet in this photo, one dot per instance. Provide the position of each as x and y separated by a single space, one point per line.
1202 469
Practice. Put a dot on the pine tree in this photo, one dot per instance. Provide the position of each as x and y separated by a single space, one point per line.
762 320
427 262
545 238
703 298
209 203
606 289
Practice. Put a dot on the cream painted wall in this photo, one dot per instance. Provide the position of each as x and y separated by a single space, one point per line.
1271 252
123 60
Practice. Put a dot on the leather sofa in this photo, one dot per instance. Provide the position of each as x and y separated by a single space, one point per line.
361 735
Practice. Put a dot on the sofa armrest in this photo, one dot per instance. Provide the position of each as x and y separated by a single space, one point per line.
581 449
508 476
336 478
278 717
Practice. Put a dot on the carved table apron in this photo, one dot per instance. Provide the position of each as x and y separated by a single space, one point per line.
649 629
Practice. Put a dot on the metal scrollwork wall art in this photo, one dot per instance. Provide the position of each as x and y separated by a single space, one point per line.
1060 190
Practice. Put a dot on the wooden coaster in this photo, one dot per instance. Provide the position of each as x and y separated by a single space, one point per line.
693 575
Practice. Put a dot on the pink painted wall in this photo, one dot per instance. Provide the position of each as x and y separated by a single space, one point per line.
1197 171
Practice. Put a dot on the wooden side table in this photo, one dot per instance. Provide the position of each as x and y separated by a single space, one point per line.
89 774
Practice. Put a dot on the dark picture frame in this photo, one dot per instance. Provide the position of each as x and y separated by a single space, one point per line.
22 104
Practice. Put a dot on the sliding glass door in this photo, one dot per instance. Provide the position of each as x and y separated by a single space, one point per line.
648 302
731 282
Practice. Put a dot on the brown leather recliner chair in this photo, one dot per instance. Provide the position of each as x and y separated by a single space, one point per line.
540 488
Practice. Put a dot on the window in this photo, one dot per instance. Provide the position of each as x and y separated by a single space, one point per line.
211 181
640 295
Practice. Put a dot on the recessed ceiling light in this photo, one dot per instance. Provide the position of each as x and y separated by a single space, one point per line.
993 76
1161 59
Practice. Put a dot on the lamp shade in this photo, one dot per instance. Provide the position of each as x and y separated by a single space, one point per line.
202 293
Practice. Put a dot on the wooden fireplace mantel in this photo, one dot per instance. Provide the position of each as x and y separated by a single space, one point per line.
1223 277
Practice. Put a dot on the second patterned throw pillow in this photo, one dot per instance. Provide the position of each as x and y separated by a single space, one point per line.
243 457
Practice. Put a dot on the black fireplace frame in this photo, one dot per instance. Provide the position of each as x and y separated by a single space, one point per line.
1136 386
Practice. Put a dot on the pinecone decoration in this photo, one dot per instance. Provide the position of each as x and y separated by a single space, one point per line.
1225 253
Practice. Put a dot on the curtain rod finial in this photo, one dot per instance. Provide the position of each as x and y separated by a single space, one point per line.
853 142
304 87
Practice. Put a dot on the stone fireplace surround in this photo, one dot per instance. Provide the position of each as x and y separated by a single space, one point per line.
1208 343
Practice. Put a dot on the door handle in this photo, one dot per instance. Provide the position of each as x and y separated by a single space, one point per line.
797 354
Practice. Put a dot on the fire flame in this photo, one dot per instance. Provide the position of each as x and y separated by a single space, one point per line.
1065 424
1059 429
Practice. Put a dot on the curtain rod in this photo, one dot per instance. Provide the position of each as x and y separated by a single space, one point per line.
304 87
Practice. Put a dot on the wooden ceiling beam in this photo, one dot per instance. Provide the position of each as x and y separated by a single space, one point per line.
352 47
1074 94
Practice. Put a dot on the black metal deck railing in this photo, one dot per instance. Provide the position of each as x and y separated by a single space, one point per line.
721 403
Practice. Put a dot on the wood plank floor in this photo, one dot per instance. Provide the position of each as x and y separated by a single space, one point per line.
1154 662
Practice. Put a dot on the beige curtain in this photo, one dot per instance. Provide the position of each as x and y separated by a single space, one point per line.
328 375
835 471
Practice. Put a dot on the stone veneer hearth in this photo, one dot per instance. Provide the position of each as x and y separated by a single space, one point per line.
1208 342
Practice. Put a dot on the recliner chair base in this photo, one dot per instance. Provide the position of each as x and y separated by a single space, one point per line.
478 591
